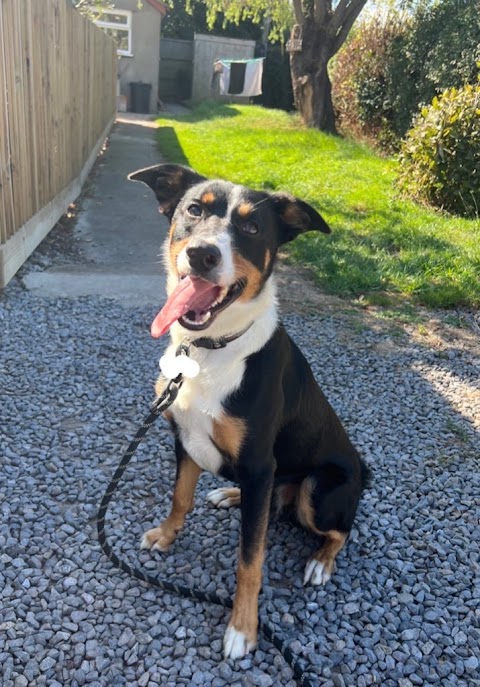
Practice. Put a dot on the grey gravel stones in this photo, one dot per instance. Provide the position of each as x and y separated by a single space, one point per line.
401 609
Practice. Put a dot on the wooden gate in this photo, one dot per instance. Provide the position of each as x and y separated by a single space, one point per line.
176 69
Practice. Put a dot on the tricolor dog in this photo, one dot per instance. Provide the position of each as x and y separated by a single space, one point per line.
254 414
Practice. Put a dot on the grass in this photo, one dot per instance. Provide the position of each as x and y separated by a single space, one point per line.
382 247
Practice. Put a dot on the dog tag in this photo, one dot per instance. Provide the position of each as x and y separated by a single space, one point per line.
171 366
188 367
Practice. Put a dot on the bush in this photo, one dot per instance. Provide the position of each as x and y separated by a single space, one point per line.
440 157
359 81
439 49
392 65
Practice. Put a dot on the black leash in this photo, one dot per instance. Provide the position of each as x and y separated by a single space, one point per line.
159 405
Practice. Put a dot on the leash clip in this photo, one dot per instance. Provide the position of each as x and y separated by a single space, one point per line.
183 349
173 388
168 396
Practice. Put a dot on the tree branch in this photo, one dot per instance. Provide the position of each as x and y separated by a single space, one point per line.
339 14
297 9
351 14
343 10
321 10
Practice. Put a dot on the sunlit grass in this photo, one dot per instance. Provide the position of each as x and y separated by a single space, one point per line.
380 243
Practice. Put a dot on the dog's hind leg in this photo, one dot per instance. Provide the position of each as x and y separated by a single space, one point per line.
224 497
320 566
326 505
188 473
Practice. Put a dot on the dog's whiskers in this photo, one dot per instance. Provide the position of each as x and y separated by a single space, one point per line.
260 202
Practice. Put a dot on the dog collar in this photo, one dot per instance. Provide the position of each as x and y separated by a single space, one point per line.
176 367
214 344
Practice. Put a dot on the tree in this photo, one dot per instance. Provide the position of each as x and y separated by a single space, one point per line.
320 27
183 23
323 30
92 8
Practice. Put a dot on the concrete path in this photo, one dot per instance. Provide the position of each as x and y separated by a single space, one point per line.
118 229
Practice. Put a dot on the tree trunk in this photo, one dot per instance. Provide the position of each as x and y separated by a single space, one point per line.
312 90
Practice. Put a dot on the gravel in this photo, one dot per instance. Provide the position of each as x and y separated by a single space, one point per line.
402 608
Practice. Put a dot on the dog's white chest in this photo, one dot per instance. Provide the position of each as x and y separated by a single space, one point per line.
199 404
200 401
196 430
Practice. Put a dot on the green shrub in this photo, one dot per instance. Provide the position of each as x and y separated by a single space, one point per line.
359 81
440 156
439 49
393 64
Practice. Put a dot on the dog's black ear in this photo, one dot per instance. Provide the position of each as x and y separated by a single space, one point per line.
296 217
168 182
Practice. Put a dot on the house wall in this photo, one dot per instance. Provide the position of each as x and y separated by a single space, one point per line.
208 49
144 65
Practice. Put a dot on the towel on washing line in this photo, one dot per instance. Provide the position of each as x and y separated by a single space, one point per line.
240 77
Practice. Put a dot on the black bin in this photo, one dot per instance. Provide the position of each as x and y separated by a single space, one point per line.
140 97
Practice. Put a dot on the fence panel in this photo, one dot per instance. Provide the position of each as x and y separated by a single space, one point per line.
176 69
58 75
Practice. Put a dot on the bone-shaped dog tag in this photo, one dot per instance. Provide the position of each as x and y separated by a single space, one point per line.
173 365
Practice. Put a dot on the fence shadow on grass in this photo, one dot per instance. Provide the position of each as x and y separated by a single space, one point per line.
212 110
204 112
170 145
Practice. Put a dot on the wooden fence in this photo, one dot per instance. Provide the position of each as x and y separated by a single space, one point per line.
58 76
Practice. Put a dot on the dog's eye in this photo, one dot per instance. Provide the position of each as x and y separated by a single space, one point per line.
194 210
250 228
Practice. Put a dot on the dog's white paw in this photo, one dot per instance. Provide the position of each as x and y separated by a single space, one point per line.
144 543
316 572
235 644
155 539
224 497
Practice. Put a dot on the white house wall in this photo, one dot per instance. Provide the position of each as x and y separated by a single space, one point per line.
144 65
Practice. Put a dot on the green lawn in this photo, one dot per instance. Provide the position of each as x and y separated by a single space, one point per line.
382 246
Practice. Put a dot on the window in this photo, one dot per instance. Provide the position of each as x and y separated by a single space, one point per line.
118 25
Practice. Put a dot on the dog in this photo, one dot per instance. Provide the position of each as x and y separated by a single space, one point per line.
254 414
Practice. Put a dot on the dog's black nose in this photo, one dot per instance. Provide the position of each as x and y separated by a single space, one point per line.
203 258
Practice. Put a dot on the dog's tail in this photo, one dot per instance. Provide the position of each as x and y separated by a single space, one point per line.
366 474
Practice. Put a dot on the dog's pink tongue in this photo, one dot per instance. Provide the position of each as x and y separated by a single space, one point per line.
191 294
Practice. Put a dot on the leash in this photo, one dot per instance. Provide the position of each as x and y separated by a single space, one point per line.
160 404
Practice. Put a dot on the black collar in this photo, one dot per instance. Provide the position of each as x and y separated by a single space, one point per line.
212 344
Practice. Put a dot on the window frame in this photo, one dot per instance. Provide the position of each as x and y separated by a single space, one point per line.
105 24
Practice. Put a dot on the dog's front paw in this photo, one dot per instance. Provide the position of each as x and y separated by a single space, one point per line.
236 644
224 497
158 538
317 572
